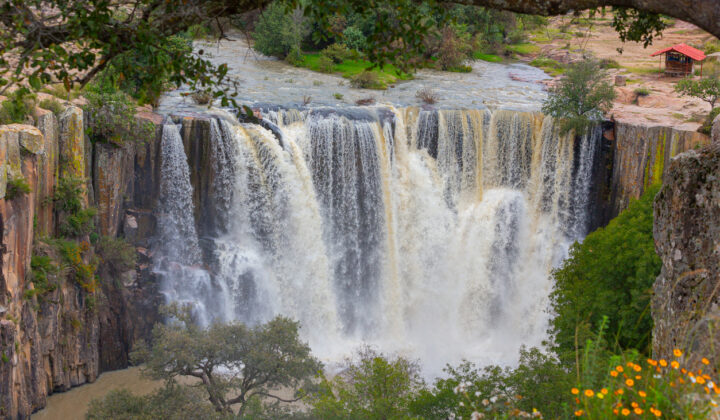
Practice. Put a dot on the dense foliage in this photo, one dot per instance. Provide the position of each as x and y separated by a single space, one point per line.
609 274
18 107
235 364
580 98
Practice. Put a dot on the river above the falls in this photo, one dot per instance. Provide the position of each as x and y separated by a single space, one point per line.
268 80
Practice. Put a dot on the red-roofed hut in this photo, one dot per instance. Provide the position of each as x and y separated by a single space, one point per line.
679 59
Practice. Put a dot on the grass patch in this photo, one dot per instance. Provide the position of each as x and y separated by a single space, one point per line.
352 67
549 66
643 70
678 116
487 57
525 48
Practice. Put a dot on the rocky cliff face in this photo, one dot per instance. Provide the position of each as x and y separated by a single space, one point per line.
60 332
685 304
632 158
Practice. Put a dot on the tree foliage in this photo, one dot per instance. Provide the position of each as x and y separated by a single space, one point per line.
610 274
234 363
707 89
371 387
278 30
580 98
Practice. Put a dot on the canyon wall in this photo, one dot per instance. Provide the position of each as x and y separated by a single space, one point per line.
56 331
685 304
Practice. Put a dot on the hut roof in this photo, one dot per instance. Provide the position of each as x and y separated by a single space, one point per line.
684 49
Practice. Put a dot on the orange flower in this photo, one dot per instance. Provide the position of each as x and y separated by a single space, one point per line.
604 391
675 364
652 362
683 370
634 404
657 413
575 391
638 410
589 393
629 382
619 368
613 374
663 362
677 352
637 368
705 361
642 394
625 412
638 377
579 413
620 391
700 380
615 411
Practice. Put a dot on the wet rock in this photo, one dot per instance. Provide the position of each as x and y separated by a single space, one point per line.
685 304
130 228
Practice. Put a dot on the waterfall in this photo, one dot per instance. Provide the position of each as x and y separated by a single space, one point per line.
430 233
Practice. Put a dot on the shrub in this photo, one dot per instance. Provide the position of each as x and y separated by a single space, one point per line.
83 273
580 98
337 53
277 32
119 255
707 125
325 64
295 57
453 50
365 101
18 108
611 274
168 402
609 63
354 39
42 268
111 117
58 90
52 105
16 187
367 80
372 387
427 95
68 194
642 91
202 97
338 96
79 223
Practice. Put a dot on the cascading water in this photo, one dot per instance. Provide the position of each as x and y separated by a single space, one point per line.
430 233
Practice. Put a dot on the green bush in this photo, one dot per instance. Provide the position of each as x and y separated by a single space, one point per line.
68 194
143 75
581 97
111 117
454 50
18 108
642 91
325 64
52 105
610 273
119 255
42 268
354 39
373 387
168 402
337 53
367 80
78 224
295 57
277 32
16 187
706 127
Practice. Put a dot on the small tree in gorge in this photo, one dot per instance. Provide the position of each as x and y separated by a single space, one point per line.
707 89
237 366
580 98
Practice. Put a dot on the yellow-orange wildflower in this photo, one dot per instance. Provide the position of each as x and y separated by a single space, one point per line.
575 391
613 373
589 393
629 382
677 352
663 362
638 377
638 411
642 394
652 362
625 412
579 413
675 364
619 368
637 368
634 404
604 391
705 361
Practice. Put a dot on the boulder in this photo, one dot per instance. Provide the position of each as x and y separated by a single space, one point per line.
686 302
620 80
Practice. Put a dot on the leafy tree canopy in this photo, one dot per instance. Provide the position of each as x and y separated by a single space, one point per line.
580 98
234 364
707 89
71 41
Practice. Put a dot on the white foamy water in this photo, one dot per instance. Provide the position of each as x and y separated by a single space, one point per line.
427 233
